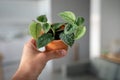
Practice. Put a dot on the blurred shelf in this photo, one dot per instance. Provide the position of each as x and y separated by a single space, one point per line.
111 57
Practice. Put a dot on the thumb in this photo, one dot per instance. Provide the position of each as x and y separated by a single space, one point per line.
56 54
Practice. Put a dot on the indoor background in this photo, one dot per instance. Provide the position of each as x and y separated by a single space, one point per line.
102 20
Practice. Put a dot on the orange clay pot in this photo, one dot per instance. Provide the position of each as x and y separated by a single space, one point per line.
56 45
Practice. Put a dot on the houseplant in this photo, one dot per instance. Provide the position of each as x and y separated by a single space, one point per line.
57 35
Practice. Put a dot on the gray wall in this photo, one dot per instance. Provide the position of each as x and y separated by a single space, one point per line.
18 9
80 8
110 22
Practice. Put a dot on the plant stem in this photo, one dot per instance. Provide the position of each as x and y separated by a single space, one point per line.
36 43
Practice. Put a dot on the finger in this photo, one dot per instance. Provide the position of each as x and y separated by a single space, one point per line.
31 40
31 43
56 54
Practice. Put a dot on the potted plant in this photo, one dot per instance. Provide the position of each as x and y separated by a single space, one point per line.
57 35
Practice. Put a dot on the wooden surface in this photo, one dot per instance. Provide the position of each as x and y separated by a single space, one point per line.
111 57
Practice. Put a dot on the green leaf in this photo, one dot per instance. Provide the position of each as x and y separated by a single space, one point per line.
68 16
57 25
42 18
69 29
67 38
80 32
46 27
44 40
80 21
34 29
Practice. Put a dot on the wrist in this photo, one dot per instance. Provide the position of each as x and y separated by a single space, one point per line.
28 72
22 75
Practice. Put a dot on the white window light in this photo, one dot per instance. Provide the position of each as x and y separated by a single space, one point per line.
95 29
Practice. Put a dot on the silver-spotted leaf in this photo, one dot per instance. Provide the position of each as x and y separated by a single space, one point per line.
44 40
69 29
67 38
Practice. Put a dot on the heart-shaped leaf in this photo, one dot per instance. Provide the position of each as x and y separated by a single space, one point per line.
44 40
34 29
46 27
69 29
80 21
56 25
67 38
68 16
80 32
42 18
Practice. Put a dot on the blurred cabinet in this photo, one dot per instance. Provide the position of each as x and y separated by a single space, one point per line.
1 67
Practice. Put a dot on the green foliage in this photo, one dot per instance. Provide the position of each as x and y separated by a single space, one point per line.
67 38
72 29
42 18
80 32
68 16
46 27
79 21
56 26
74 25
44 40
69 29
34 29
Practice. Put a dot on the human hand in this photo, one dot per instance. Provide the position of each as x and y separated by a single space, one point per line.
33 61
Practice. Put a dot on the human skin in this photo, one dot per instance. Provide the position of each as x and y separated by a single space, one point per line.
33 61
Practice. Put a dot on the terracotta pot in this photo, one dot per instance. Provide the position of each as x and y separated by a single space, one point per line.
56 45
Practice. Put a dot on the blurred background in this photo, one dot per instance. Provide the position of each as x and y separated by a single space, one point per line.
96 56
